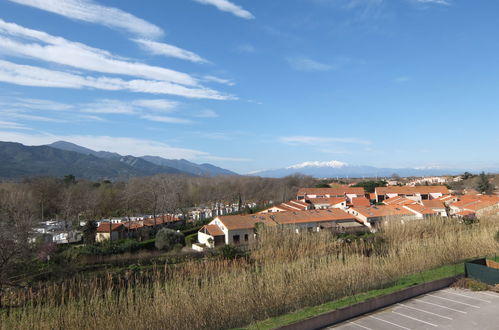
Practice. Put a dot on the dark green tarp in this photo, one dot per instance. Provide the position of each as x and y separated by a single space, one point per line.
478 270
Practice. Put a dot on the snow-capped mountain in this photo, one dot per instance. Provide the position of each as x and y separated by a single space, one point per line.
335 168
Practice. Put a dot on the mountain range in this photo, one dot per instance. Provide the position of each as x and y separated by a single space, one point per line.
62 158
333 169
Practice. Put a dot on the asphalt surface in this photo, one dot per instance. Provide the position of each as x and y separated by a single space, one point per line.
449 308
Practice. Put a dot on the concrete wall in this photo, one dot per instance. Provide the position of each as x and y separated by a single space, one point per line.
343 314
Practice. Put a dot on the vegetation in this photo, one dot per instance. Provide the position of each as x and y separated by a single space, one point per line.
167 239
282 273
483 185
369 186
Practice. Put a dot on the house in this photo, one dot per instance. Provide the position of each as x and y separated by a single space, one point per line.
343 191
113 231
328 202
436 205
372 215
477 204
288 206
398 200
417 193
241 229
359 202
420 211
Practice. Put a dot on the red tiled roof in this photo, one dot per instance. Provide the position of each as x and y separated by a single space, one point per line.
421 209
328 200
412 190
382 211
360 201
340 191
234 222
104 227
434 204
214 230
398 200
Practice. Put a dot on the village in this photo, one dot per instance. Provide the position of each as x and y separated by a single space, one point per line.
340 209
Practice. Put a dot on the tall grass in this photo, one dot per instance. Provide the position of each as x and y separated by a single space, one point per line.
284 272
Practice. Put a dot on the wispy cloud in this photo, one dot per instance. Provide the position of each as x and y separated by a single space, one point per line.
218 80
166 119
437 2
306 64
89 11
27 75
316 140
402 79
207 114
34 104
61 51
164 49
245 48
11 125
227 6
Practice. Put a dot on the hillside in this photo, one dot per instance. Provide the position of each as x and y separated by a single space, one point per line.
20 161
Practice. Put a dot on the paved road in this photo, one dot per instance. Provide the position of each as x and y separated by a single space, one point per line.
449 308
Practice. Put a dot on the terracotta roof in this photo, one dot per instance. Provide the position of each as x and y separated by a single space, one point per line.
411 190
214 230
234 222
340 191
465 213
360 201
434 203
398 200
376 211
421 209
133 225
292 205
104 227
372 196
328 200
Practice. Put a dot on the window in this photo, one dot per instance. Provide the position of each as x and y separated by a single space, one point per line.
236 239
246 237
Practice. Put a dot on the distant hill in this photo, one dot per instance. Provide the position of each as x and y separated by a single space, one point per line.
149 163
187 166
334 169
19 161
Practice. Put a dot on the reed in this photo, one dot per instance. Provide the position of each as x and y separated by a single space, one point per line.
284 272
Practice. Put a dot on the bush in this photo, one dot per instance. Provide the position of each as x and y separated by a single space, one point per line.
231 252
167 239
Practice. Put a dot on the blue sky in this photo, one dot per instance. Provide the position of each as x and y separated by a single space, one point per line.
256 84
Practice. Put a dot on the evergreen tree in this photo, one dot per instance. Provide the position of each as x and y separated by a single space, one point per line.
89 232
484 186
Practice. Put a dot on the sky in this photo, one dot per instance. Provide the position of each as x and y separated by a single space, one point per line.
251 85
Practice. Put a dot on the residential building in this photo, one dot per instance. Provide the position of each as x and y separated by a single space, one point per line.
241 229
293 205
113 231
417 193
343 191
372 215
329 202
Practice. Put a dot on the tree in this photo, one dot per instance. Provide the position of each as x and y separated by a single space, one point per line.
167 239
467 175
89 232
483 185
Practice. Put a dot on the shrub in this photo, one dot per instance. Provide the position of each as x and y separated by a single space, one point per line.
166 239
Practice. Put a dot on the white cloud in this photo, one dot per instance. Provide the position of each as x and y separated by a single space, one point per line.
11 125
160 48
21 115
61 51
157 104
165 119
219 80
227 6
121 145
27 75
207 114
438 2
89 11
35 104
107 106
306 64
315 140
402 79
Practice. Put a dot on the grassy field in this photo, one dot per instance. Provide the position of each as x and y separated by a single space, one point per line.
284 273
